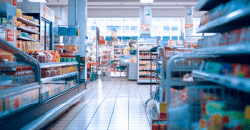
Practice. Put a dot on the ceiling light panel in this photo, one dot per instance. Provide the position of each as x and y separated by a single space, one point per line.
146 1
43 1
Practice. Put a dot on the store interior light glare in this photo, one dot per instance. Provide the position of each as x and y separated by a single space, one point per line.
43 1
147 1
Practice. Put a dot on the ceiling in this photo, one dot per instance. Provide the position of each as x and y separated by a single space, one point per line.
97 4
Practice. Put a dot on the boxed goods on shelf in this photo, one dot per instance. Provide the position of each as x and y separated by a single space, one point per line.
19 75
159 125
50 72
223 9
232 69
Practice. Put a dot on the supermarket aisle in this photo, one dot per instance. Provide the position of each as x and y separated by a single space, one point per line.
111 105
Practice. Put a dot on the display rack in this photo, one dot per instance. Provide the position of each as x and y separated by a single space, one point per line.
205 5
219 79
144 59
15 91
105 63
227 22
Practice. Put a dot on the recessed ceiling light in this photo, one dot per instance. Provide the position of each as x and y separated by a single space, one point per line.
147 1
43 1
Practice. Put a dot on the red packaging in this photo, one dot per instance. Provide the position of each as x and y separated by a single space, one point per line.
244 73
236 68
163 115
163 126
234 36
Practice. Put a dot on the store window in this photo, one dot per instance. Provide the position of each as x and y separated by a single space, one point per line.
125 28
166 28
157 19
174 28
134 19
157 29
134 28
114 28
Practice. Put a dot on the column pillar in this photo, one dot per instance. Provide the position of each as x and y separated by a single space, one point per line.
189 21
146 16
77 15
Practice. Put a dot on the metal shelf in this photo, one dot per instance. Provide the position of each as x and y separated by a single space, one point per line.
241 48
183 68
233 20
27 22
146 81
147 70
159 62
147 59
206 5
58 77
57 64
27 30
180 82
225 80
26 39
18 90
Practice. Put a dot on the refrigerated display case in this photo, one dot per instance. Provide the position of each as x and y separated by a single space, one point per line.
30 90
19 80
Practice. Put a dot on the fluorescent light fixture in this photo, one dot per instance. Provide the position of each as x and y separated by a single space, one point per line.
146 1
43 1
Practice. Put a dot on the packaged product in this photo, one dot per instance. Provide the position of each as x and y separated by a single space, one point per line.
226 68
212 67
6 104
244 71
234 36
1 106
15 102
205 97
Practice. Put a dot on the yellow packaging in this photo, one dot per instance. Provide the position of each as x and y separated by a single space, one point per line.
247 112
163 107
19 13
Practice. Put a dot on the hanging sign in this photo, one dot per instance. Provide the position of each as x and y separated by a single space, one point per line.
48 13
148 12
190 11
188 25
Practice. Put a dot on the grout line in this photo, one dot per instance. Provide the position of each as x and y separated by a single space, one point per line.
100 105
128 105
114 106
143 106
85 105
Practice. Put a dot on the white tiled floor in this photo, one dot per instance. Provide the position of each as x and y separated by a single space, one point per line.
118 104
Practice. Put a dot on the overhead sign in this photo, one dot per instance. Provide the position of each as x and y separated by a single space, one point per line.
188 25
48 13
148 12
190 11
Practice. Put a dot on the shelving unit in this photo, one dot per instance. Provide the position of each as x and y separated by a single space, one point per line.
228 22
225 80
26 39
43 80
27 22
205 5
27 30
57 64
204 84
143 55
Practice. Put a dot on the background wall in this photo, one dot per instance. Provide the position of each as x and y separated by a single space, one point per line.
61 11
